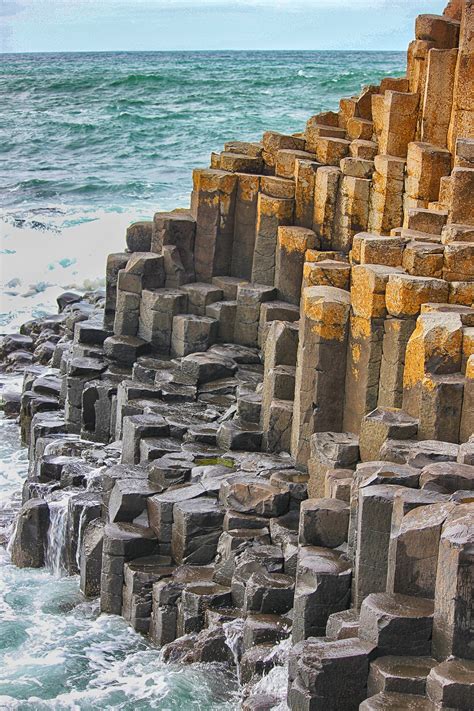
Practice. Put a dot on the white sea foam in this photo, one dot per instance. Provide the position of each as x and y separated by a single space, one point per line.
37 264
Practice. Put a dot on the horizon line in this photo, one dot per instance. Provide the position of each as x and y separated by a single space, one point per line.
169 51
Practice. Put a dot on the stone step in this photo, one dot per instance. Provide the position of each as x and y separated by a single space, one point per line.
397 624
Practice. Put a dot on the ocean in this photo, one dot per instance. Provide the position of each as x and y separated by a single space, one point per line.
90 143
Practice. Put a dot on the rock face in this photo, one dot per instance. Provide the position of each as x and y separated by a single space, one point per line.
28 549
257 446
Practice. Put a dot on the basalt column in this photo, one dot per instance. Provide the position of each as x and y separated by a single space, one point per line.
320 369
213 207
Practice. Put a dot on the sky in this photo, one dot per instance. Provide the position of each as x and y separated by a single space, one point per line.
108 25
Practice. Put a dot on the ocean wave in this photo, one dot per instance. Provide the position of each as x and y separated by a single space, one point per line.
148 80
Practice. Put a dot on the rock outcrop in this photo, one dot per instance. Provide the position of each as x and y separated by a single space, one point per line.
271 406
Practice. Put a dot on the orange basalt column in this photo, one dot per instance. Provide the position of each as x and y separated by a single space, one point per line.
320 366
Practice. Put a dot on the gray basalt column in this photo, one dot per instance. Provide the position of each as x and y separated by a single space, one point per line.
452 625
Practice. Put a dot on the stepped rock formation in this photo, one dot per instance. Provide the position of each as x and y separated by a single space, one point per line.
265 425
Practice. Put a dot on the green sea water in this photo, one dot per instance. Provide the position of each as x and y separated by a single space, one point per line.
89 143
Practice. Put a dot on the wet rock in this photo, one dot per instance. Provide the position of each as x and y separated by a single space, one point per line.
82 508
387 701
343 625
269 593
450 685
264 629
139 576
260 702
231 544
128 499
235 435
195 599
254 496
91 558
15 342
205 367
137 427
397 624
177 650
256 662
328 674
323 522
402 675
122 542
211 646
28 548
256 559
10 403
196 529
323 580
160 508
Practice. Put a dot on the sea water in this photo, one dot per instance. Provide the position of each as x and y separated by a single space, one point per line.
88 144
92 142
58 652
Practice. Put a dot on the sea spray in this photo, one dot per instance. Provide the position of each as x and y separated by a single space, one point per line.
57 536
233 632
58 652
275 683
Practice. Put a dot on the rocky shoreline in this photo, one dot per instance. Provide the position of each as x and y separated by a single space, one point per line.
256 445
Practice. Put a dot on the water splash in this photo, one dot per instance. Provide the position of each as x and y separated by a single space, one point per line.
233 632
80 534
55 559
275 683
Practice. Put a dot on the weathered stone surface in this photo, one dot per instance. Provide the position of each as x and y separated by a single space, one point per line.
343 625
452 626
382 424
234 435
28 549
135 428
330 451
205 367
400 675
290 256
374 518
323 522
413 554
255 496
451 684
397 624
320 366
322 588
317 667
392 701
262 629
418 454
269 593
91 558
197 525
447 477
